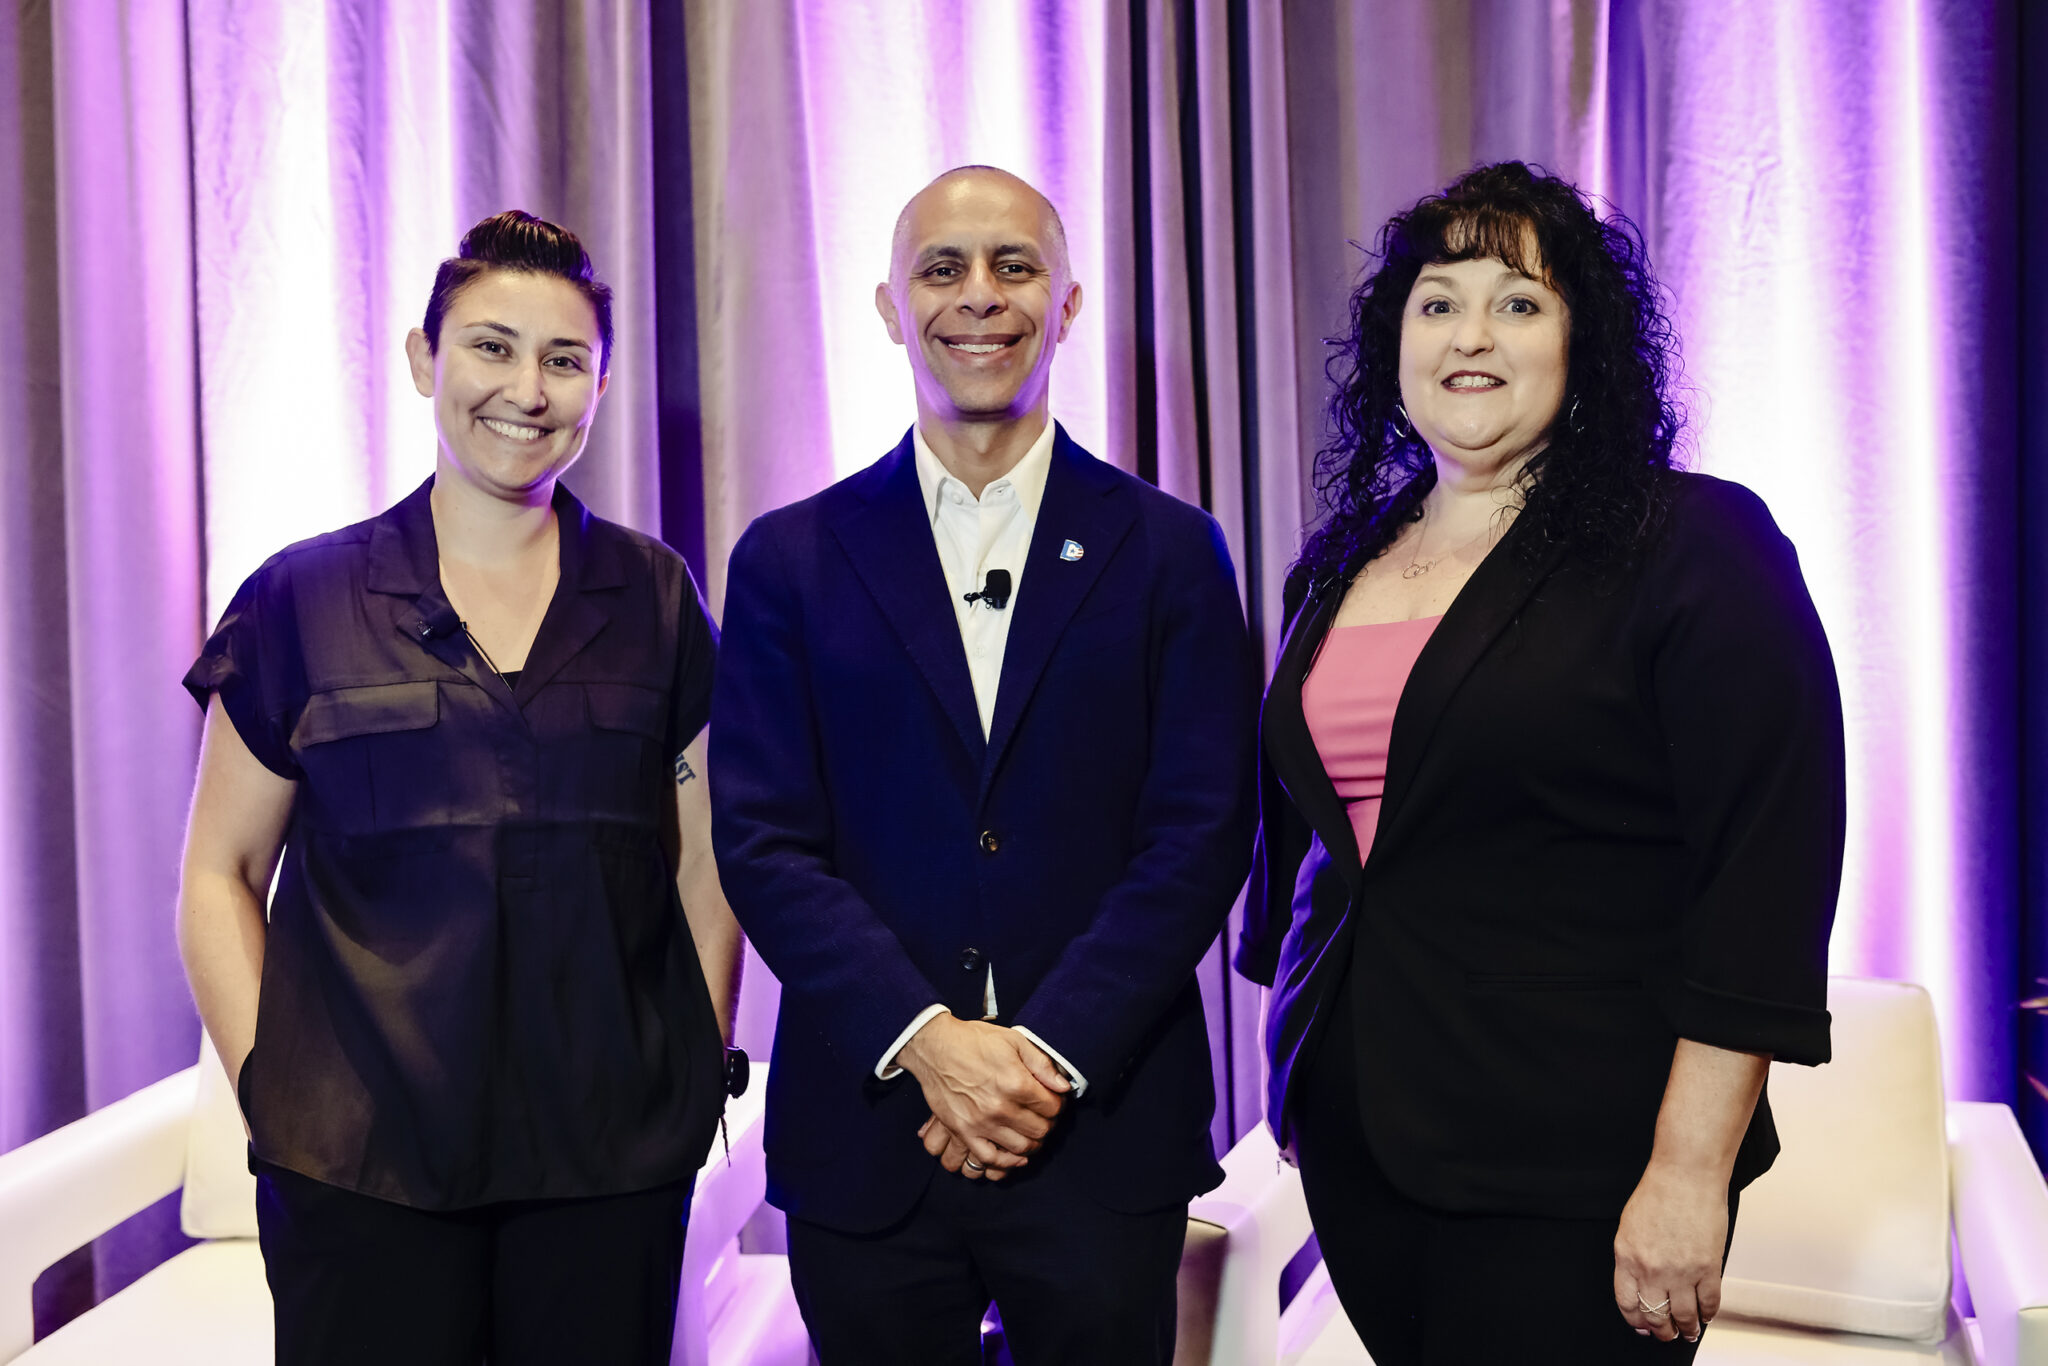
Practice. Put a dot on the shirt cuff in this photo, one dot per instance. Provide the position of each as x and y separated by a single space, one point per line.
886 1069
1073 1074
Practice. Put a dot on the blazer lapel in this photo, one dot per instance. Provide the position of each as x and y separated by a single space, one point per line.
1484 607
888 539
1290 746
1081 505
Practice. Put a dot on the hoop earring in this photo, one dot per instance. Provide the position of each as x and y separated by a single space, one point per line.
1403 428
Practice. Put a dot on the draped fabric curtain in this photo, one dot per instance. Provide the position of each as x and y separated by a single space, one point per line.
102 565
221 218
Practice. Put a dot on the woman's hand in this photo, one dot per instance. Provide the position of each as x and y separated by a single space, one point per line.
1667 1253
1674 1229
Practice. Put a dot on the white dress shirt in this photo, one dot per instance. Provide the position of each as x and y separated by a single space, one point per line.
975 535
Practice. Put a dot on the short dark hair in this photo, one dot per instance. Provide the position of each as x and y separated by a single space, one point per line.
518 242
1600 484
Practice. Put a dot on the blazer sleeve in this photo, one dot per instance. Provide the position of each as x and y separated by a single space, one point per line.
1747 700
1281 845
771 822
1192 827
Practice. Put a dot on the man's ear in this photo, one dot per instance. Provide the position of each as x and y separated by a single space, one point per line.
885 304
1070 307
419 358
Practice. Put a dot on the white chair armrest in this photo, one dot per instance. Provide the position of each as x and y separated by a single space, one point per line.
1265 1221
2001 1217
65 1189
727 1194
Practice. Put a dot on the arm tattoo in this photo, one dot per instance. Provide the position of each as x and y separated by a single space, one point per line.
683 770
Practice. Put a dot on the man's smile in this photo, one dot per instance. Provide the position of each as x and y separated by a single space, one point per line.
980 345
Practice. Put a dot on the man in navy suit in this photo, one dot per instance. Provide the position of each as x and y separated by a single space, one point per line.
982 741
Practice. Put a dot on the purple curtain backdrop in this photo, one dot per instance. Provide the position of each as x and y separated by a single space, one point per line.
103 569
221 219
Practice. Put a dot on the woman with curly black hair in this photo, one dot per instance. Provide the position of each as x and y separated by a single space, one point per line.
1552 807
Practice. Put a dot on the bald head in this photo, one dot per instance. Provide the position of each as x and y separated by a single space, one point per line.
949 187
980 293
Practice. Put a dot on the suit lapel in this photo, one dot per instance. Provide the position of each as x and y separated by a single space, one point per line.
1290 746
1489 601
1082 504
887 536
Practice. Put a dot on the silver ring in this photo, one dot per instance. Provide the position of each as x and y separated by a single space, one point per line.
1657 1309
980 1168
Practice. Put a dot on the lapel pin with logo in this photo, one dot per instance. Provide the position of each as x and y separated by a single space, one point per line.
1071 551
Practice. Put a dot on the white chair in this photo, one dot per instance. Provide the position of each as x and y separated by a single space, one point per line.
209 1305
1842 1250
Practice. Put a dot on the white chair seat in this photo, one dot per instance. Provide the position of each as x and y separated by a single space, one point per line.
207 1306
1734 1342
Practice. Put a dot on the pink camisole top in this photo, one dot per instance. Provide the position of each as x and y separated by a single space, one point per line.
1349 698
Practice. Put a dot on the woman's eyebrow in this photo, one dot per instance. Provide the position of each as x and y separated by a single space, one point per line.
504 330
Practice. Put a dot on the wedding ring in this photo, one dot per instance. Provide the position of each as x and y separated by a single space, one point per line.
980 1168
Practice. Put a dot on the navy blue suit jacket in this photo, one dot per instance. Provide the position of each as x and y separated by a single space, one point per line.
882 854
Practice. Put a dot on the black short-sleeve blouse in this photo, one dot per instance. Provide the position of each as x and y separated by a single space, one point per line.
478 983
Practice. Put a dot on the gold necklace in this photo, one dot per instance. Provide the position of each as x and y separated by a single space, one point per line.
1417 566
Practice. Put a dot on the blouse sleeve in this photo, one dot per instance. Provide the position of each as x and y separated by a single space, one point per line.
1747 700
696 653
251 662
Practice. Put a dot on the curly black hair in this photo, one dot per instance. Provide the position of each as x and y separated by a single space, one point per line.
1599 485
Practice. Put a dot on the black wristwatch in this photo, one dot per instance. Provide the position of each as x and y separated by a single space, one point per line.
737 1071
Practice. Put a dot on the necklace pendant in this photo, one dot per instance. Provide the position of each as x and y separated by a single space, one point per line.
1417 568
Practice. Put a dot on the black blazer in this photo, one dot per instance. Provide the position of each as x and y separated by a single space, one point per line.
1613 818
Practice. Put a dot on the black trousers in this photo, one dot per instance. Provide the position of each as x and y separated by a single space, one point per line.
358 1280
1075 1283
1424 1287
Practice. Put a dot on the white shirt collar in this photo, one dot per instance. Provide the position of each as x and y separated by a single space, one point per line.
1027 477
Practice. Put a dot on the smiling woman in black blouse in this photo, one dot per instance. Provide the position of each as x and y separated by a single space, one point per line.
478 1038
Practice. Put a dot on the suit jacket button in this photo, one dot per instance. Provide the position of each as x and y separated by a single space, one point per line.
989 842
970 960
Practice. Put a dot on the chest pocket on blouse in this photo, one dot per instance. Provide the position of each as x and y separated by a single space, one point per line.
369 757
624 767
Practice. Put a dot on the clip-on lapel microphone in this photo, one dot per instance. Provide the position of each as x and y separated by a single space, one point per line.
995 590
